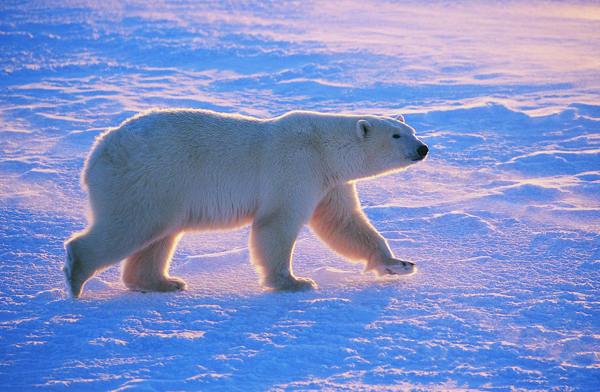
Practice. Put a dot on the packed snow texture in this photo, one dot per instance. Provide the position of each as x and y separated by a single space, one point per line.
502 219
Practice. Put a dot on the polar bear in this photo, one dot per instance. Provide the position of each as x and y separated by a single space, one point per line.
165 172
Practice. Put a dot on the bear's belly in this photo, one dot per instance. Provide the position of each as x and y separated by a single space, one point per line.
219 215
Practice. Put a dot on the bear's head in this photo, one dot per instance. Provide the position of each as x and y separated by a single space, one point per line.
389 144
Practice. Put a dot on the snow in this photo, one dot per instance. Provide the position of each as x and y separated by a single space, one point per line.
502 219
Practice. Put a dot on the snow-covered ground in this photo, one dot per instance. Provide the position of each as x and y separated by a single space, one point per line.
503 218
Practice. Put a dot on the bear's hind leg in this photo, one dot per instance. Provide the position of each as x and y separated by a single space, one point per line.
76 273
90 252
147 270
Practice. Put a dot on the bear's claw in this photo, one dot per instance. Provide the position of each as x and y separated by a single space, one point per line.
394 267
402 268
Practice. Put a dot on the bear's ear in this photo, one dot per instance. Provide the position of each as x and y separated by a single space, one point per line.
400 118
363 128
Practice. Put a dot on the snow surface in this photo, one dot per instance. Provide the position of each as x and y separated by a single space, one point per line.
503 218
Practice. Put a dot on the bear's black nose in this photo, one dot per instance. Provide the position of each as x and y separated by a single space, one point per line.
422 151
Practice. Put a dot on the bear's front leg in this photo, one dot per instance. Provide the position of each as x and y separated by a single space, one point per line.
339 221
272 240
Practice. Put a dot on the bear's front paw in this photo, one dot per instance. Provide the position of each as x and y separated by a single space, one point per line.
293 284
394 267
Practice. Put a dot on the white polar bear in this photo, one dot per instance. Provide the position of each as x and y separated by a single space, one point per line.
165 172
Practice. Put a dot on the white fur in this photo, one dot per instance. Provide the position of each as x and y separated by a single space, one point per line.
165 172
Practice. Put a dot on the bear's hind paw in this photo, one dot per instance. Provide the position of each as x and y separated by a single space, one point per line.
74 288
75 277
163 286
173 284
293 284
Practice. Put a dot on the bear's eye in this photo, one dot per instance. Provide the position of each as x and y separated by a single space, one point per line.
396 136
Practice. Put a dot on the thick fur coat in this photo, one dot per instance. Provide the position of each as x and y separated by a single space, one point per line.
165 172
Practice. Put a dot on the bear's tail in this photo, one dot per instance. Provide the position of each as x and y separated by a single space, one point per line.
97 151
